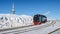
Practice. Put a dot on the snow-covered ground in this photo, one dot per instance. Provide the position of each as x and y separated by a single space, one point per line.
11 21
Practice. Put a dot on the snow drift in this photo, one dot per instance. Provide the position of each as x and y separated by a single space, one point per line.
11 20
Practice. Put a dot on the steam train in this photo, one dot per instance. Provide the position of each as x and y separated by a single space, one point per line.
39 19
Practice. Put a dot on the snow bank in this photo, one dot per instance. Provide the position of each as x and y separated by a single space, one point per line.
10 20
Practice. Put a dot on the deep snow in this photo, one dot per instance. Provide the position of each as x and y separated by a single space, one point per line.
11 20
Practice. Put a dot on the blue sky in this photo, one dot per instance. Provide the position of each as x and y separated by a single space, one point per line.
32 7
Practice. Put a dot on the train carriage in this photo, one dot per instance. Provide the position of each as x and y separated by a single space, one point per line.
38 19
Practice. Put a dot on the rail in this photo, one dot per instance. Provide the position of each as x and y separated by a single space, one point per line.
25 28
54 31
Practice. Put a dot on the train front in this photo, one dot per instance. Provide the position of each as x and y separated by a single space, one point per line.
39 19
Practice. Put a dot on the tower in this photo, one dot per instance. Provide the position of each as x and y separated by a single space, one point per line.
13 11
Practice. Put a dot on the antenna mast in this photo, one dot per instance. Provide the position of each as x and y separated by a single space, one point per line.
13 11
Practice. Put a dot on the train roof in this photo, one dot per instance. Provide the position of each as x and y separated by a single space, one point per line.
40 15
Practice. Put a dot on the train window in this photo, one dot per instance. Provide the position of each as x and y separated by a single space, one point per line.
39 18
43 18
36 18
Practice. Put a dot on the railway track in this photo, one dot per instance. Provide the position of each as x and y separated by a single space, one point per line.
54 31
27 28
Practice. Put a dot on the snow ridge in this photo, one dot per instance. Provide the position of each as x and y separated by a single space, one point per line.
11 20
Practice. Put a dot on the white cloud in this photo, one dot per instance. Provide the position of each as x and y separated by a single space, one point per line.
48 12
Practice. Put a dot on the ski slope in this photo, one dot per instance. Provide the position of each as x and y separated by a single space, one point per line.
23 24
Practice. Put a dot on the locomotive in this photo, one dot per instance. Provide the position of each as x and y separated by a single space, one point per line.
38 19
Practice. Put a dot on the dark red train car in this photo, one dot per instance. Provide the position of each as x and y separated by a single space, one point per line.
38 19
